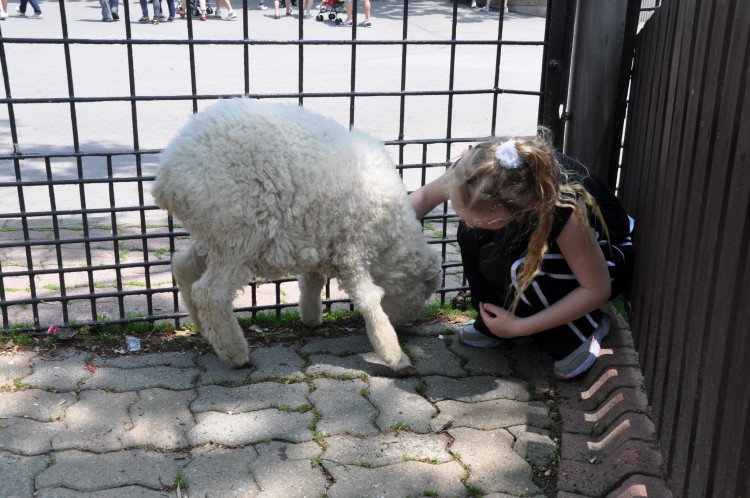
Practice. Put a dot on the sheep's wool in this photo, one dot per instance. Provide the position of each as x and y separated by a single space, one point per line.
271 190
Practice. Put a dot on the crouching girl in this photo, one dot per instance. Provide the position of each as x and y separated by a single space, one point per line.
544 244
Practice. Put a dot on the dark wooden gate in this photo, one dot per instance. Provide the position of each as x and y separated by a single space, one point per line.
686 181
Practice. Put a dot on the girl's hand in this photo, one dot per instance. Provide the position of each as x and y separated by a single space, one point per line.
500 321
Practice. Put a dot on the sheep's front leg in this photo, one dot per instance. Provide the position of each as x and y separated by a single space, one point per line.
367 296
310 305
187 267
212 296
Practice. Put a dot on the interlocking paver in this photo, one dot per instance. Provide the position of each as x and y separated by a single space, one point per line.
35 404
494 466
240 429
387 449
84 430
398 403
403 479
322 417
344 407
85 471
161 420
249 398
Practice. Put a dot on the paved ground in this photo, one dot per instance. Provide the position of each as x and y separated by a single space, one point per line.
324 417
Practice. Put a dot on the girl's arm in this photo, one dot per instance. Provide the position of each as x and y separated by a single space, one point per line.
426 198
586 259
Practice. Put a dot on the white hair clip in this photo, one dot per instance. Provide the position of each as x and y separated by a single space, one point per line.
508 156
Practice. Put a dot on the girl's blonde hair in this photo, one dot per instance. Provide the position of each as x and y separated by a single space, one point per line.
483 187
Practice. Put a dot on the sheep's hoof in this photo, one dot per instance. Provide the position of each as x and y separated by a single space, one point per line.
408 371
247 364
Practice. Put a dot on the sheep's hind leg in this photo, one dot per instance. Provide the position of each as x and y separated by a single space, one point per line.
187 267
310 305
367 296
212 297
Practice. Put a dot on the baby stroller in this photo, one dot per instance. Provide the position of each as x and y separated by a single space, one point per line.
194 8
333 7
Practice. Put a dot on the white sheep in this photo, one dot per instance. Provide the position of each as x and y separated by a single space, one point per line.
271 190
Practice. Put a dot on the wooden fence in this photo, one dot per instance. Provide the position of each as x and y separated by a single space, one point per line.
687 183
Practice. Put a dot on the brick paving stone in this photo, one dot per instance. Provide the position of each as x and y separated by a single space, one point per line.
62 372
17 473
344 408
430 329
215 371
289 470
533 444
221 472
122 492
482 361
479 388
247 428
639 486
15 366
84 471
161 420
276 362
346 345
143 359
594 479
86 432
28 437
496 414
387 449
609 358
590 398
404 479
135 379
42 406
494 466
628 427
430 356
398 402
622 400
354 365
250 398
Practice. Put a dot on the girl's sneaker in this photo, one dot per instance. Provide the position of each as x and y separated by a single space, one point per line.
144 20
231 16
346 23
470 336
585 355
3 15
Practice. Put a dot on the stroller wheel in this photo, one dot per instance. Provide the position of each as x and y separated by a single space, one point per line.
319 17
209 10
332 16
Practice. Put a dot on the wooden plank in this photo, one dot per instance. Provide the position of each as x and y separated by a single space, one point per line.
704 253
721 405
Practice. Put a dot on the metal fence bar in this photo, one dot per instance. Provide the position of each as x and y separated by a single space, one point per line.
90 252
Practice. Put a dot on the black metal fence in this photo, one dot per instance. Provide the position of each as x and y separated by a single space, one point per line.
89 105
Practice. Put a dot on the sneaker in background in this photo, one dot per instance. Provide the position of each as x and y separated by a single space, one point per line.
346 23
3 15
262 7
231 16
115 16
144 20
584 355
18 11
217 13
470 336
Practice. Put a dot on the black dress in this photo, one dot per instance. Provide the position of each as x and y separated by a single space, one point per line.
491 260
